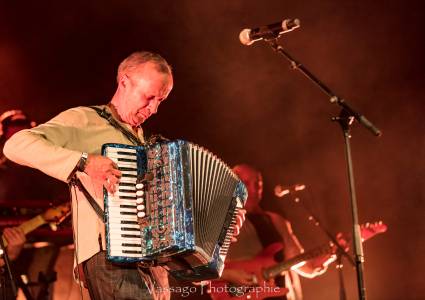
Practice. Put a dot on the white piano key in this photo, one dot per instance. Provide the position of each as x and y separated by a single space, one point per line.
125 172
118 240
118 218
120 253
128 179
117 236
117 243
117 203
120 194
116 150
120 227
126 164
118 214
126 187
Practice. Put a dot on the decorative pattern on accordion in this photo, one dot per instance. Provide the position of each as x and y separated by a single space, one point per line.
176 205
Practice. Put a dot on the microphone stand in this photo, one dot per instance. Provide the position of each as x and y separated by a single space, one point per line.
340 252
8 270
345 119
342 292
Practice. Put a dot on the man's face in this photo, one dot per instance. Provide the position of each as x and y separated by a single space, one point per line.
254 184
143 91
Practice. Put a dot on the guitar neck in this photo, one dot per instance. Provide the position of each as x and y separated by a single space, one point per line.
367 231
275 270
29 226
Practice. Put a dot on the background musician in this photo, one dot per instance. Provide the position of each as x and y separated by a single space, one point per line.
24 193
15 239
19 184
262 229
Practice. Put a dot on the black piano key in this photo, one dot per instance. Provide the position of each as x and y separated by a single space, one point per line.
126 169
131 251
127 159
129 222
128 197
129 229
127 153
126 191
128 206
130 235
128 213
129 175
131 245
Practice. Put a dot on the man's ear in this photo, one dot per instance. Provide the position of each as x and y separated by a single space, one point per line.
124 81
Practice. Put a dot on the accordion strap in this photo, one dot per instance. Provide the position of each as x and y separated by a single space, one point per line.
99 211
114 123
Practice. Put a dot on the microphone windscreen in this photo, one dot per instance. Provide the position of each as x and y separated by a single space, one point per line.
244 37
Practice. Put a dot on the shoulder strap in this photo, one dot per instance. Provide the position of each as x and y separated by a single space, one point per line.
99 211
106 115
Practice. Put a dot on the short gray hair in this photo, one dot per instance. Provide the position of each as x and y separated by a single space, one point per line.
141 57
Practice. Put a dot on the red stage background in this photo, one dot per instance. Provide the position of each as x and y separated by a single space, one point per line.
246 104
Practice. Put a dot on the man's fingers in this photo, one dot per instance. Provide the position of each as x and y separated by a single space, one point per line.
240 218
242 212
116 173
112 179
11 233
110 184
14 235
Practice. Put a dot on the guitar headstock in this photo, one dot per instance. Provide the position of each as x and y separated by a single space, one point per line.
58 213
369 230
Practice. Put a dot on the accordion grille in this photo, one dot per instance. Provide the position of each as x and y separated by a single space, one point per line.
213 185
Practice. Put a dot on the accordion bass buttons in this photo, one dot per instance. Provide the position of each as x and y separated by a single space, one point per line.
140 201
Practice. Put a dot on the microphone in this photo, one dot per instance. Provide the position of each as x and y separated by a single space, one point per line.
268 32
281 191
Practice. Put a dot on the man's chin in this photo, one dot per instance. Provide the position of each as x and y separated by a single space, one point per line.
139 122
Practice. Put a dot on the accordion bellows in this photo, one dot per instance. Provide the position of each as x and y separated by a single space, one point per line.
175 206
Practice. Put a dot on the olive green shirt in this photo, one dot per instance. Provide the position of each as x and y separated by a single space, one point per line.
55 148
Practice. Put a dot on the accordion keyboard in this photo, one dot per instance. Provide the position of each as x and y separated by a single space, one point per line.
125 238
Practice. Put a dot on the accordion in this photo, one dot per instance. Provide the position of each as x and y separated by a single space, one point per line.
175 205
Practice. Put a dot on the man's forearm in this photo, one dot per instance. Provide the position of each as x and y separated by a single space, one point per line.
33 150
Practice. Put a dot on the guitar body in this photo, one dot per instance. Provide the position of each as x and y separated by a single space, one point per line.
222 290
264 263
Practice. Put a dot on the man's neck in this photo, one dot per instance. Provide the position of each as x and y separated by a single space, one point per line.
114 112
117 117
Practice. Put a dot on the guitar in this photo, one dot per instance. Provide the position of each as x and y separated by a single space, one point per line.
264 269
54 215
